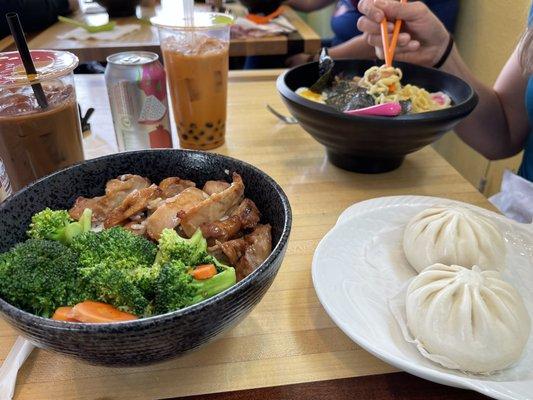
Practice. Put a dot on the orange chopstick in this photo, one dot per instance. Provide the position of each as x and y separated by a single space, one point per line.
385 41
389 50
395 34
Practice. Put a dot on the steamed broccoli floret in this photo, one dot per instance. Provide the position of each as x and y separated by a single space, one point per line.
39 276
57 225
117 265
176 288
172 246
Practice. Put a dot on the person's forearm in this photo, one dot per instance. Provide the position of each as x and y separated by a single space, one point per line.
486 129
308 5
353 48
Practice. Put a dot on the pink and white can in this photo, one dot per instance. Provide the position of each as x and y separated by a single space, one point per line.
136 85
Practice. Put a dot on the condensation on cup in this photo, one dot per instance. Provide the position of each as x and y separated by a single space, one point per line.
5 186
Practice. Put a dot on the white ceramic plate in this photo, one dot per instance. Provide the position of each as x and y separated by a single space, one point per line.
359 265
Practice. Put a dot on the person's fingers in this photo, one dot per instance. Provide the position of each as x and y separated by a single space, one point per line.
405 43
379 53
368 8
374 40
403 39
366 25
409 11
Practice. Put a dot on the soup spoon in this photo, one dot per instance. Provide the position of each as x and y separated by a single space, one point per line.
380 110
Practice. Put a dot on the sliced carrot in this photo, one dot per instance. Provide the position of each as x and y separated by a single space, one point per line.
392 88
202 272
64 314
96 312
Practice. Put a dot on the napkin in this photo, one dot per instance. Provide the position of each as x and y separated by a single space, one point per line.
9 370
243 28
116 33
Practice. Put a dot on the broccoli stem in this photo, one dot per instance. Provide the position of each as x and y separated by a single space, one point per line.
216 284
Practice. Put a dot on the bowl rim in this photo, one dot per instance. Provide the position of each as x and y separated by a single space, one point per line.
454 111
112 327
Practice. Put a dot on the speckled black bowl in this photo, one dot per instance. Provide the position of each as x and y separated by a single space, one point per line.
375 144
165 336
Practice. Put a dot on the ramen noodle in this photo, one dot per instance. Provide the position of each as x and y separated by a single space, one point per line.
380 85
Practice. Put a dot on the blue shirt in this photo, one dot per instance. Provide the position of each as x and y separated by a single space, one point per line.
344 20
526 169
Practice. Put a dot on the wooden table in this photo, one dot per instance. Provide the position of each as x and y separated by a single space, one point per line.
146 38
287 347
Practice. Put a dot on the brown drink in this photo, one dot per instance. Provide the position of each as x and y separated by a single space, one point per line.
36 141
196 62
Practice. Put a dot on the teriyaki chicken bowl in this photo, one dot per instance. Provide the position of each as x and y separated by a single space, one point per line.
138 257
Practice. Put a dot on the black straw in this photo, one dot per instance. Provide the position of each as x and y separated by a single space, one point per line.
20 40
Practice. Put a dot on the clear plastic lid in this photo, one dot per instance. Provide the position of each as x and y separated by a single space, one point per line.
49 64
202 20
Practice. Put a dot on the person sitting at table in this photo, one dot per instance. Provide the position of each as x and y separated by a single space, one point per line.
35 15
502 123
347 40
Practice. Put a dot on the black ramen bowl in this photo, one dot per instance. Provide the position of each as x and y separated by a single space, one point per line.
161 337
375 144
119 8
261 6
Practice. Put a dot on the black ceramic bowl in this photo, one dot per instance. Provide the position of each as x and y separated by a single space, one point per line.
158 338
375 144
119 8
261 6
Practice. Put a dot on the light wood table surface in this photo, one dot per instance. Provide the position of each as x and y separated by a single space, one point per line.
146 38
288 338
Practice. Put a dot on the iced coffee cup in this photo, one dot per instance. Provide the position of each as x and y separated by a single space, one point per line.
36 141
196 63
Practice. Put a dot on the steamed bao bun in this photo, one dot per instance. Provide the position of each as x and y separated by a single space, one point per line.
453 236
466 319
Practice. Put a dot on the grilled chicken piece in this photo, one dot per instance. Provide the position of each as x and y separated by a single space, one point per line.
213 208
115 192
245 216
212 187
258 249
174 185
134 203
248 214
166 215
221 230
99 211
232 250
247 253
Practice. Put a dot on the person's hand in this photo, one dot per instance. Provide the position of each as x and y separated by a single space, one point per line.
423 39
297 59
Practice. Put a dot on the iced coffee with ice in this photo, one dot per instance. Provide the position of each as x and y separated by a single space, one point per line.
36 141
196 62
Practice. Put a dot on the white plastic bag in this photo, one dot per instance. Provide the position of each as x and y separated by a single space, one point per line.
515 200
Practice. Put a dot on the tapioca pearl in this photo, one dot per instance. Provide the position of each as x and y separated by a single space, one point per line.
209 125
211 138
201 133
185 137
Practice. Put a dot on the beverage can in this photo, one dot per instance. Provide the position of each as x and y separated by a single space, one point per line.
137 90
5 186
